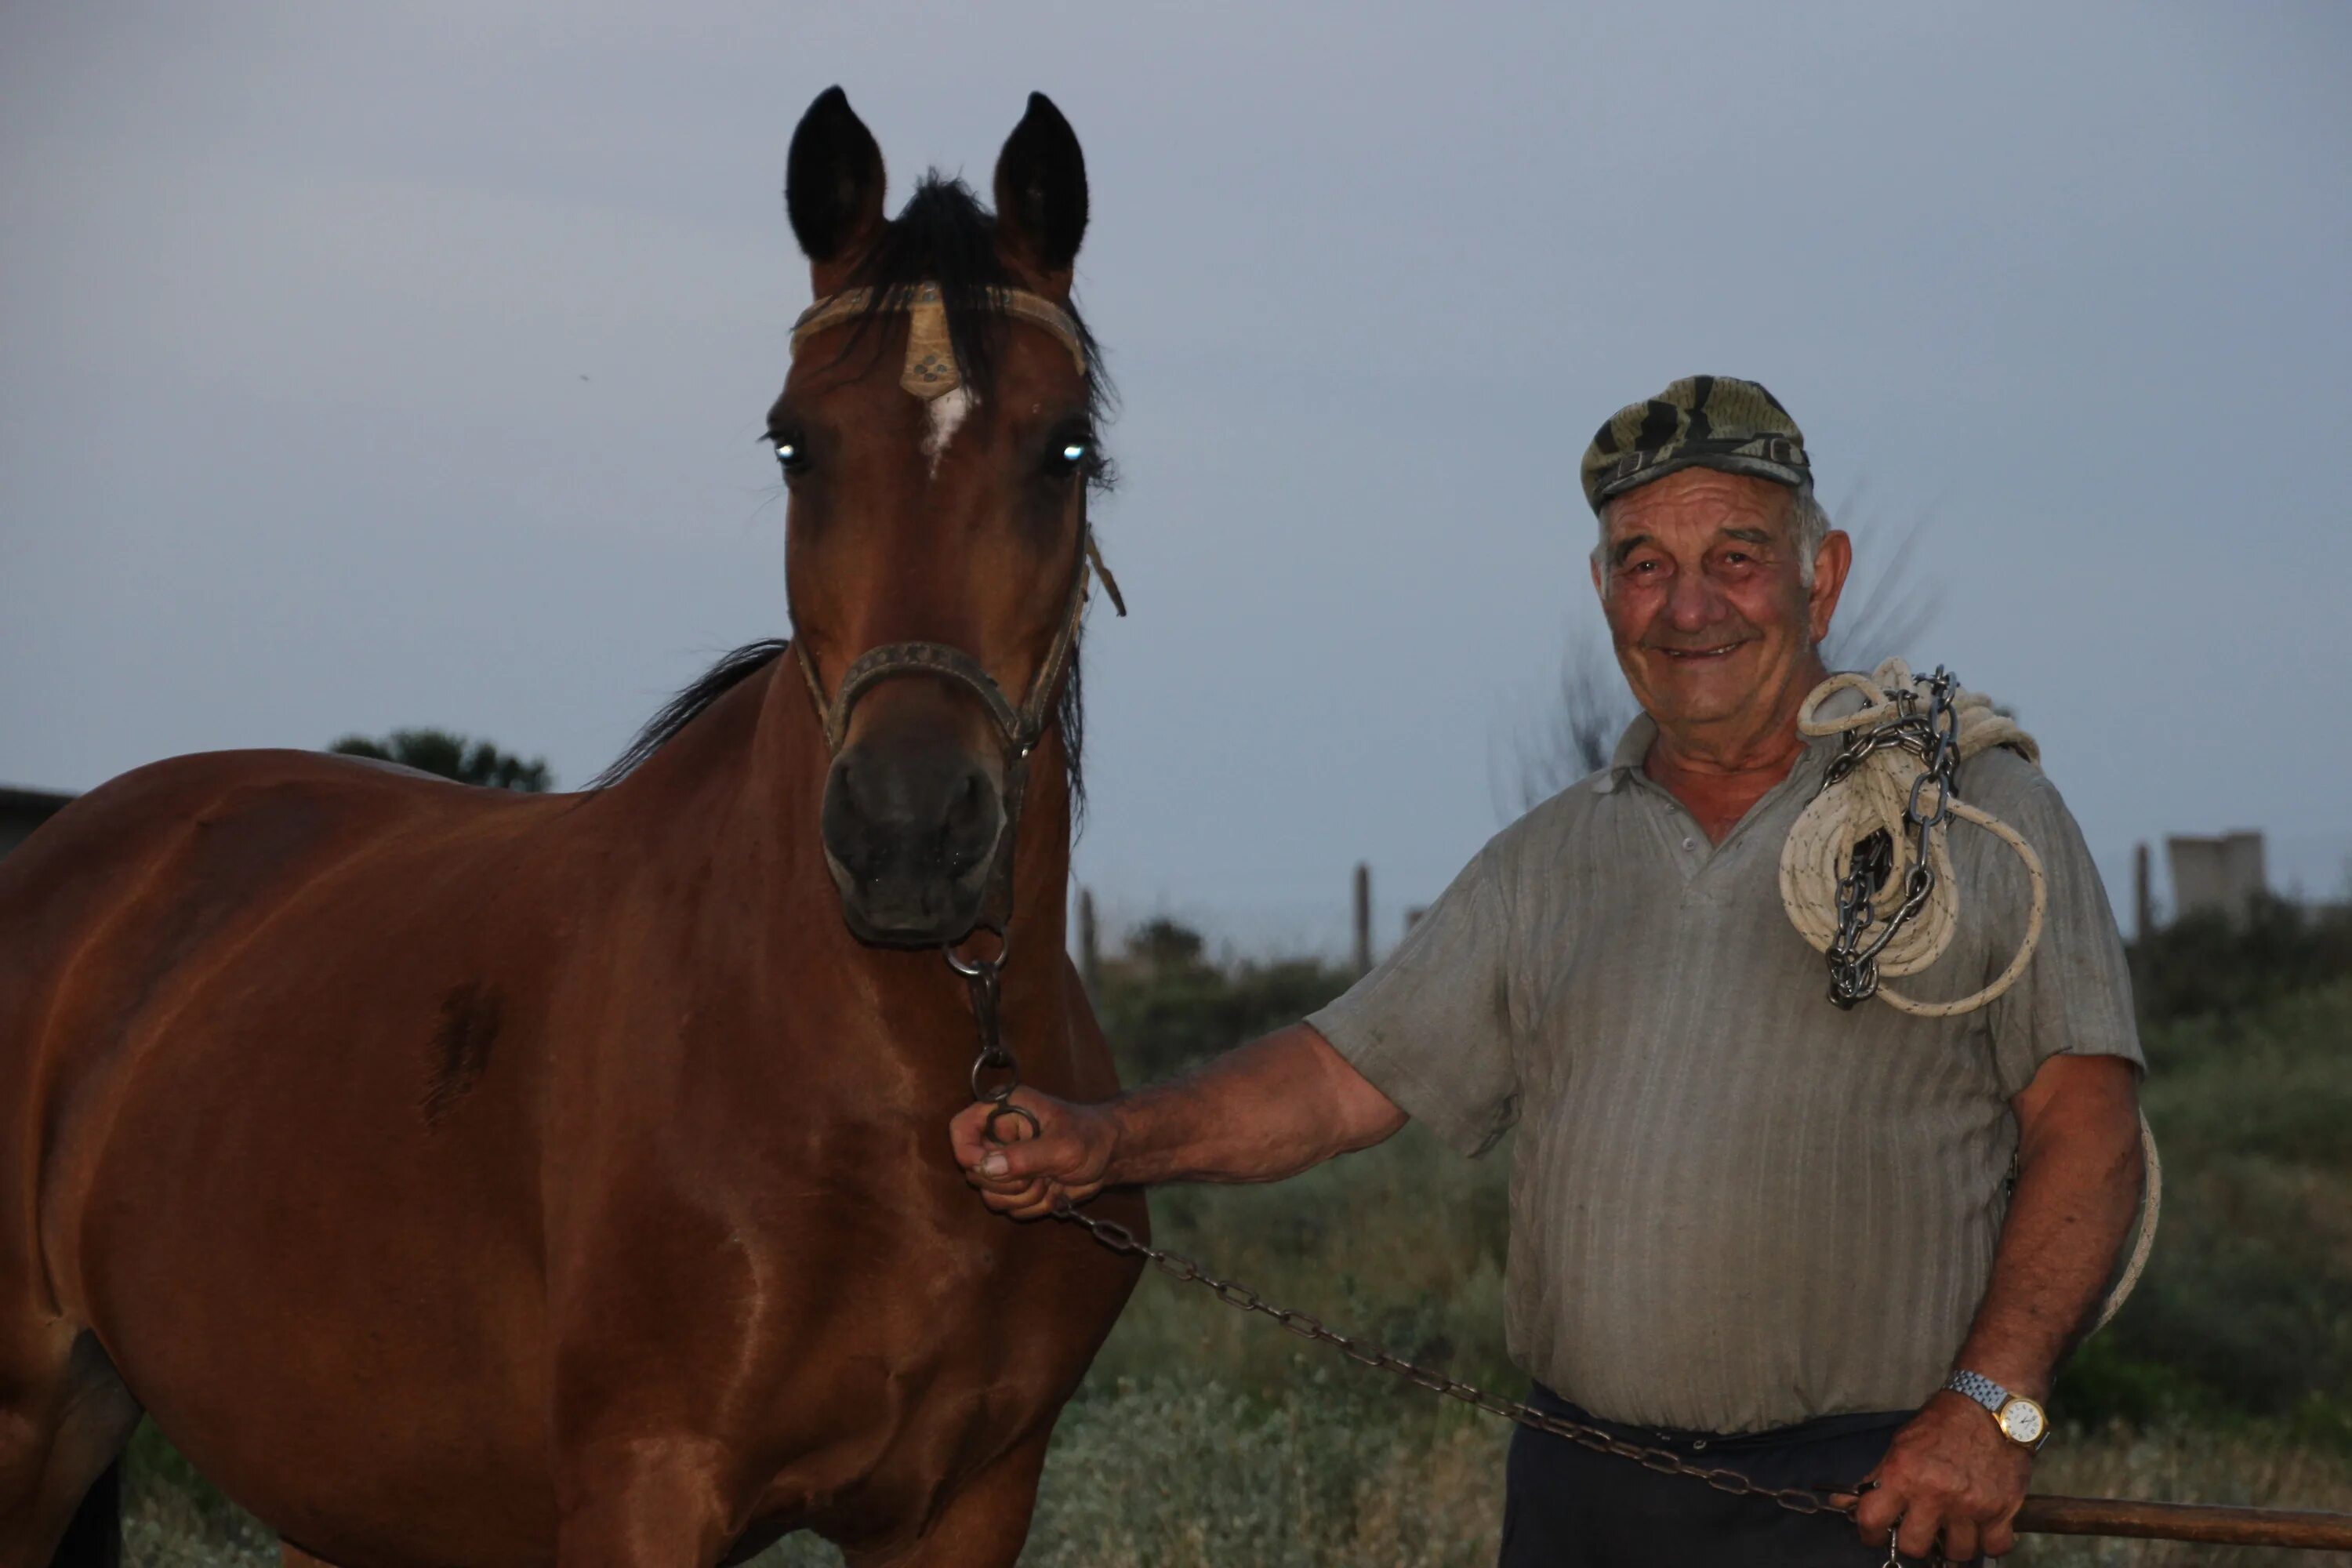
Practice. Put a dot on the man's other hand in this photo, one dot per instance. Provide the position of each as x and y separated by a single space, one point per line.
1064 1159
1950 1472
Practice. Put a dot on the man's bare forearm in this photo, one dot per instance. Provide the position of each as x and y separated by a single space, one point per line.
1265 1111
2078 1187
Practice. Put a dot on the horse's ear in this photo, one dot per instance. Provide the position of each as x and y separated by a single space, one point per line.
833 181
1041 192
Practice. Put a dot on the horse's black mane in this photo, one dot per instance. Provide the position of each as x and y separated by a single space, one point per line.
943 235
684 709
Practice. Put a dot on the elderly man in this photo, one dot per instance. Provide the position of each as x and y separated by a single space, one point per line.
1807 1244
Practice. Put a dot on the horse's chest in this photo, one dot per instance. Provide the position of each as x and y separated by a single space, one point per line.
944 1354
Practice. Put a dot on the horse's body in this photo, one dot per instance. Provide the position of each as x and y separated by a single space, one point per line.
463 1177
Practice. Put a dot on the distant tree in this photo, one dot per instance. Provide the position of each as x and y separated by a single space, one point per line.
1169 946
2213 965
1884 615
1167 1007
449 756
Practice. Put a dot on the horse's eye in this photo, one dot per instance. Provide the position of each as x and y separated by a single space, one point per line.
1070 457
789 456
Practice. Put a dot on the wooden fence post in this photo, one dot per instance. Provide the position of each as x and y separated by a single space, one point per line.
1363 918
1089 947
2143 898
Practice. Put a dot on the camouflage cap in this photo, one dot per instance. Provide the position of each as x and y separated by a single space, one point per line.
1700 421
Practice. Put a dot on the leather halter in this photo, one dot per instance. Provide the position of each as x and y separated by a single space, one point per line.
930 369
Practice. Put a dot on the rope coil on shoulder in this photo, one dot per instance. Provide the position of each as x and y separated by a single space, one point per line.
1874 787
1868 853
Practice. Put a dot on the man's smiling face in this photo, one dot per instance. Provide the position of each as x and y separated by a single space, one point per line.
1707 599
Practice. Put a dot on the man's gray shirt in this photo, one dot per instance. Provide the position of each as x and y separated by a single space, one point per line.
1732 1206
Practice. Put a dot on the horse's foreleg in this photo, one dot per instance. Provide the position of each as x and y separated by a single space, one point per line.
64 1418
642 1502
983 1525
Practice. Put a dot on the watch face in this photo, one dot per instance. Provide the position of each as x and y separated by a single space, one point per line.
2022 1420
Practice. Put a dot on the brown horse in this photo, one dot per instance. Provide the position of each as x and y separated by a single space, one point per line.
462 1177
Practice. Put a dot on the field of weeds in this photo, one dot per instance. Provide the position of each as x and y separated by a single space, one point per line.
1207 1436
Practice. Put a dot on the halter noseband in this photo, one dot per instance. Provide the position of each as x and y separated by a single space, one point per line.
931 370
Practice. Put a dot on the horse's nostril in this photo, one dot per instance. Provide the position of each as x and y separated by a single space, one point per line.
971 803
969 833
910 817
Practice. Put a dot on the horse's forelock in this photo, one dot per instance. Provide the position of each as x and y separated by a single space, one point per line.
944 235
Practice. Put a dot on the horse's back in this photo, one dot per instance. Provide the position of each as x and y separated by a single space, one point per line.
190 841
133 888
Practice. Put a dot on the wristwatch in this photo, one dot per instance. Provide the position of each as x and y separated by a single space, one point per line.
2022 1421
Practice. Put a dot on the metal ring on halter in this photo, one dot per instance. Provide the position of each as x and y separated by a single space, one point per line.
999 1059
973 969
997 1112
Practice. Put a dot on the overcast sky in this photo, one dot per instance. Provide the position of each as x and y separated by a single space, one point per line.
404 366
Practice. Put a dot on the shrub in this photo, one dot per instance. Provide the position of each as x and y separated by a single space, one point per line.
2207 964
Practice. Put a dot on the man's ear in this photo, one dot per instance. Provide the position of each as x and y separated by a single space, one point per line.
1040 193
1831 562
833 183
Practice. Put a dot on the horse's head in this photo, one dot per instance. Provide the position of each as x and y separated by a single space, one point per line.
936 434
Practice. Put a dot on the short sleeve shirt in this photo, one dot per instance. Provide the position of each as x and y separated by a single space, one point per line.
1734 1206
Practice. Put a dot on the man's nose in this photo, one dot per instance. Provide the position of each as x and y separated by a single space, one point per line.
1693 603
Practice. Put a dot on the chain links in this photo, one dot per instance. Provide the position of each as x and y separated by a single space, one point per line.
984 979
1365 1352
1934 738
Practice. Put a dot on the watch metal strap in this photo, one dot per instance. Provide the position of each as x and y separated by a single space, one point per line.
1980 1388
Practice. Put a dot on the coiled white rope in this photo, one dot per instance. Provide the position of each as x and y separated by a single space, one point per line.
1819 851
2151 1205
1874 797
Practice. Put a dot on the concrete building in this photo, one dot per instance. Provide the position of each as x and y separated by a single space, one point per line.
22 810
2221 875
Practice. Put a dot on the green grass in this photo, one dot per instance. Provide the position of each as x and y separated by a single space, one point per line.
1206 1435
2245 1313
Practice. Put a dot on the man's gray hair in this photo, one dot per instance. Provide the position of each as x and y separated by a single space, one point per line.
1808 526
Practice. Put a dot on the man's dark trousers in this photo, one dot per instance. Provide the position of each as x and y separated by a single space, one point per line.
1568 1506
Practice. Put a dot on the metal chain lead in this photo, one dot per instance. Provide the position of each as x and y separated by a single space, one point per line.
1934 738
985 978
1365 1352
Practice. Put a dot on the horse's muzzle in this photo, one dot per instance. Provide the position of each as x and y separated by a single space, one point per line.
912 831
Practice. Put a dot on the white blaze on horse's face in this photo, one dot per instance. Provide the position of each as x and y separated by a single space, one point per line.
946 411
